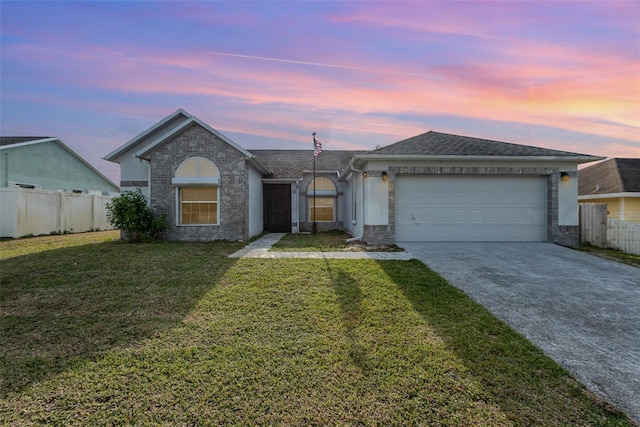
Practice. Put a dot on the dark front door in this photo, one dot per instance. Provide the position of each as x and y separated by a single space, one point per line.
277 208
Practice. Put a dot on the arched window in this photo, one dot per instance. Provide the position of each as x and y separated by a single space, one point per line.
195 168
197 182
321 196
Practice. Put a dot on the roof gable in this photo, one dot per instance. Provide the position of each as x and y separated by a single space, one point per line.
139 141
170 126
180 128
442 144
612 176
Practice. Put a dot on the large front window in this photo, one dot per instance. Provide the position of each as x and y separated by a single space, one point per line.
197 182
199 205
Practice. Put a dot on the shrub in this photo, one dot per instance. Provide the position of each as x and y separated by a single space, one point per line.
129 212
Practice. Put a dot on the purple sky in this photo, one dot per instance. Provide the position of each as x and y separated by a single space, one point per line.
563 75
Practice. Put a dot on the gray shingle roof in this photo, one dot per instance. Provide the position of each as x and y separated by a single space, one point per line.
291 163
9 140
443 144
609 177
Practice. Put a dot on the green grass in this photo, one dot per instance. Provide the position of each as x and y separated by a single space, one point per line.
327 241
612 254
178 334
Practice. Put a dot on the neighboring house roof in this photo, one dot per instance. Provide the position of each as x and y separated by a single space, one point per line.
8 142
442 144
613 176
292 163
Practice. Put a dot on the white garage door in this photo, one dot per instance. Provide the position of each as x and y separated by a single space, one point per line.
471 208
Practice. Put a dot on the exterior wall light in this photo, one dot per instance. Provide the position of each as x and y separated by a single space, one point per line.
564 176
385 176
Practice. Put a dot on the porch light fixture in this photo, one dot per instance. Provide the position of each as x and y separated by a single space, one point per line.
385 176
564 176
364 175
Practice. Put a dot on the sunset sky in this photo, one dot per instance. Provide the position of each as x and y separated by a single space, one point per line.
563 75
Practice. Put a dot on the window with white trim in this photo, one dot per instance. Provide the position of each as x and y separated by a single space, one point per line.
322 207
198 205
197 182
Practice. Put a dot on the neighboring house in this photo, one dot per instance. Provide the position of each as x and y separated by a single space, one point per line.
432 187
46 187
49 164
615 182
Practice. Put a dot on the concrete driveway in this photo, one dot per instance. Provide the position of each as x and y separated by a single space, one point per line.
581 310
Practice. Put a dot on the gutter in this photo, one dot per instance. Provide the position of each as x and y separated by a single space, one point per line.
461 157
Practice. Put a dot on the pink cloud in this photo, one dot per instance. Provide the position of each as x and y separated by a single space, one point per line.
569 90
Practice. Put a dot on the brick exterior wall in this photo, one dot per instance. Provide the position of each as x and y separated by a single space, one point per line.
233 190
563 235
568 235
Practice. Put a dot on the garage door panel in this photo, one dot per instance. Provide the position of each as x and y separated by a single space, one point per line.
470 208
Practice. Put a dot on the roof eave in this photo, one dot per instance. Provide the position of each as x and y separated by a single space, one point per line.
113 156
280 180
257 163
576 158
26 143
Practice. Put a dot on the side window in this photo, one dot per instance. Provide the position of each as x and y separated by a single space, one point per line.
322 207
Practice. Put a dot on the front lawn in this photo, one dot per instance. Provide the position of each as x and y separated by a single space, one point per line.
178 334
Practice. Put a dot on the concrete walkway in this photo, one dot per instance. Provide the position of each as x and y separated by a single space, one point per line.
260 249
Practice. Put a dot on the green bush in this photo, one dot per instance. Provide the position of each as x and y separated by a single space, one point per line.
130 213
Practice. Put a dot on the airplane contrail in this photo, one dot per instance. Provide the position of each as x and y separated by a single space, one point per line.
320 64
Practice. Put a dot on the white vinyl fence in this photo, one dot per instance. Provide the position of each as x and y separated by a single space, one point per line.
26 211
597 229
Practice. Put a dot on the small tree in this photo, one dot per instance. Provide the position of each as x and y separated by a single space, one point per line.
129 212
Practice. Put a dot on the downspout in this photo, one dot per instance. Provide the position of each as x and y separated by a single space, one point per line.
355 239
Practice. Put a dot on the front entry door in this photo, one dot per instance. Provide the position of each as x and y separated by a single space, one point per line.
277 208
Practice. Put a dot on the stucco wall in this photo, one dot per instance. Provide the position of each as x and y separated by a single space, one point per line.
255 213
568 201
349 222
234 184
134 174
52 167
377 202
